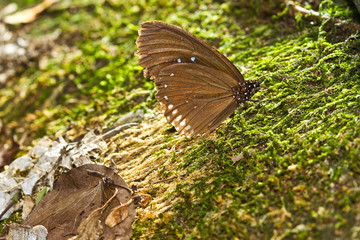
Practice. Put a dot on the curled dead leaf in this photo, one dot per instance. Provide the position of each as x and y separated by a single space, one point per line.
117 215
142 199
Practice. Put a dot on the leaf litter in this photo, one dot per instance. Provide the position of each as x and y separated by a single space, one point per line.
81 201
33 173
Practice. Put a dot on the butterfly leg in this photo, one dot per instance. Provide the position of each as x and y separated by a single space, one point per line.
258 101
242 125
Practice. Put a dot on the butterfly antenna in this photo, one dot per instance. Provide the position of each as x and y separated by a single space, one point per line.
269 63
272 59
241 123
282 79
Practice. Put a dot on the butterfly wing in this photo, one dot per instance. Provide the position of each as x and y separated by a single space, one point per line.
161 44
195 98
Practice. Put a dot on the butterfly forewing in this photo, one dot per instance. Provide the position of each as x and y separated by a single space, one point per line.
161 44
195 98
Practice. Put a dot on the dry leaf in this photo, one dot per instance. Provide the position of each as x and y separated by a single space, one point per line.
29 173
28 15
118 214
76 197
91 227
17 231
27 206
236 158
142 199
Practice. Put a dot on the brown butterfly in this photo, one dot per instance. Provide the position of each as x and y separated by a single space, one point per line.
198 87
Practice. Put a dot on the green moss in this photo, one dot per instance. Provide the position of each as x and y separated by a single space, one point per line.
294 181
299 174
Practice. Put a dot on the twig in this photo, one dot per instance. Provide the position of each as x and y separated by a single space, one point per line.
300 9
303 10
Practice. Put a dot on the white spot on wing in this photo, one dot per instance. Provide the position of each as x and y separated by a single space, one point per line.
175 111
195 107
166 97
183 122
187 101
188 127
170 106
171 74
165 86
179 60
178 118
192 59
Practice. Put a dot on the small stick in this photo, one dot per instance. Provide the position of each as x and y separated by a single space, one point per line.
300 9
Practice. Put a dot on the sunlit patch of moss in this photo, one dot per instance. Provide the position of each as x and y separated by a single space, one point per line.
298 174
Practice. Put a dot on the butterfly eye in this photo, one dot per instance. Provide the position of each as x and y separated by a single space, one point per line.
207 88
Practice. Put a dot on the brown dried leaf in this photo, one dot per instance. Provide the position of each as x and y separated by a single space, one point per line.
142 199
91 227
30 14
78 195
117 215
237 158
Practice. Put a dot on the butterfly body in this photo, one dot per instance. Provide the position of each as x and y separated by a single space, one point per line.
198 87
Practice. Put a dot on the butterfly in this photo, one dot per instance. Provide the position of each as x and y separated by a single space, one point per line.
197 86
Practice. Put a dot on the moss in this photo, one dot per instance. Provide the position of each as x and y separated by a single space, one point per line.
299 171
